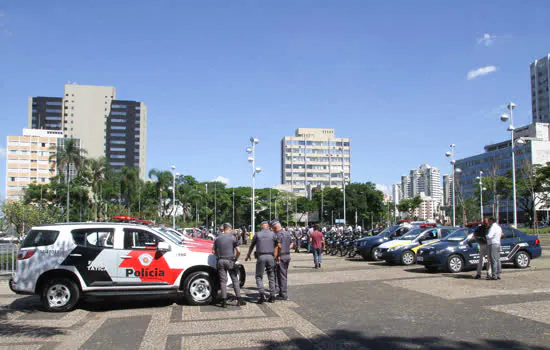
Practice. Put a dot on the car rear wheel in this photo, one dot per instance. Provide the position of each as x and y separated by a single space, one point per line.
455 264
199 288
60 295
522 260
408 258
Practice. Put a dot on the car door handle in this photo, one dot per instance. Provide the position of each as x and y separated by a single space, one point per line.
75 254
125 257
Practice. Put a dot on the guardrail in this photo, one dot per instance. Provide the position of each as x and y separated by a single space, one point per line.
8 258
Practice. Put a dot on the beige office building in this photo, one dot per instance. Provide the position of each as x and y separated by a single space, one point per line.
105 126
314 158
28 160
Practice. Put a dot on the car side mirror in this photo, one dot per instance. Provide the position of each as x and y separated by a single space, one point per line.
163 247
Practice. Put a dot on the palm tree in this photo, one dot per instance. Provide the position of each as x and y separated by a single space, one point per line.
163 179
97 168
69 154
128 178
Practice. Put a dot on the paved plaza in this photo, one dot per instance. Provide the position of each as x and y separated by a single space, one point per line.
347 304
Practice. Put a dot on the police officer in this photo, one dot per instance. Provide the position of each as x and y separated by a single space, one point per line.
266 252
226 249
285 239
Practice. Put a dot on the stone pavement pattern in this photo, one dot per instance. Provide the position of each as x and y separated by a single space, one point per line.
347 304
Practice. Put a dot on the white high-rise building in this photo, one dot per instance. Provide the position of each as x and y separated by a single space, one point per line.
396 193
314 157
105 126
425 180
447 190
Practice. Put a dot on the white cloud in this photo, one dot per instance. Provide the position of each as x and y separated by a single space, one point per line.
383 188
221 179
2 152
481 71
487 39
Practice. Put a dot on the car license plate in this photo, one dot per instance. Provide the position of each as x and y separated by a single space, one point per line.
419 259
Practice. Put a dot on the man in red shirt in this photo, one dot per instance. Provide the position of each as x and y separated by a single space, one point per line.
317 240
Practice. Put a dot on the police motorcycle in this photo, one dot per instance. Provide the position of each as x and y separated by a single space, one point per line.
304 242
347 244
352 252
330 239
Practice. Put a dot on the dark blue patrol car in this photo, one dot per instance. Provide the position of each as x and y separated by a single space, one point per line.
454 253
366 246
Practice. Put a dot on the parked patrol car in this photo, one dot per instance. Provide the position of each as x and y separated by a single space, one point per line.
456 252
366 247
399 241
406 254
64 262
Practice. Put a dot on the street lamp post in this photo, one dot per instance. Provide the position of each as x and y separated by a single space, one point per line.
511 128
174 208
252 159
344 184
451 154
481 189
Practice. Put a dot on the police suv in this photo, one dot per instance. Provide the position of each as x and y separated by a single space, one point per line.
64 262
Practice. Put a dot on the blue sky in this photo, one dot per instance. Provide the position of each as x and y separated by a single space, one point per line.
392 75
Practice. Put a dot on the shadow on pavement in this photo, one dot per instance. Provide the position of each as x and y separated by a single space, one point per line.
96 304
342 339
27 304
21 330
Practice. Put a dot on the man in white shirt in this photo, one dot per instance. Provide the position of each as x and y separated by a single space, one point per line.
493 246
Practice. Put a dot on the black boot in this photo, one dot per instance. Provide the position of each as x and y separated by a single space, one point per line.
272 298
241 302
224 303
261 300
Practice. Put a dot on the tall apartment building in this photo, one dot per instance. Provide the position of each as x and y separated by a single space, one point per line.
28 160
314 157
540 95
425 180
105 126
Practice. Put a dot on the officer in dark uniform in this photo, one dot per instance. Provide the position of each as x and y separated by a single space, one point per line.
267 250
284 259
226 249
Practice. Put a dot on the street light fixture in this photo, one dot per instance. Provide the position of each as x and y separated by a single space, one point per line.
511 128
451 154
255 170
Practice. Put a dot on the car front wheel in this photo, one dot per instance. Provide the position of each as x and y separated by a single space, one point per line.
60 295
455 264
522 260
199 288
408 258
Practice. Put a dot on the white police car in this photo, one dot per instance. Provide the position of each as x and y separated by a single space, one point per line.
64 262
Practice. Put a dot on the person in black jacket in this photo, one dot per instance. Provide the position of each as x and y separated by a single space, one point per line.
479 236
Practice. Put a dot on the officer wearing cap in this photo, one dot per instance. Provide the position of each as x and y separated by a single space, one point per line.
267 250
226 249
285 239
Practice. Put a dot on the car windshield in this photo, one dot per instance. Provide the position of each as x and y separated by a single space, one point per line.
409 236
387 232
457 236
168 235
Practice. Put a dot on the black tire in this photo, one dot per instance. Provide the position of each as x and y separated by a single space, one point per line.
242 275
60 295
352 253
11 284
455 263
373 256
522 260
334 251
199 288
408 258
343 251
